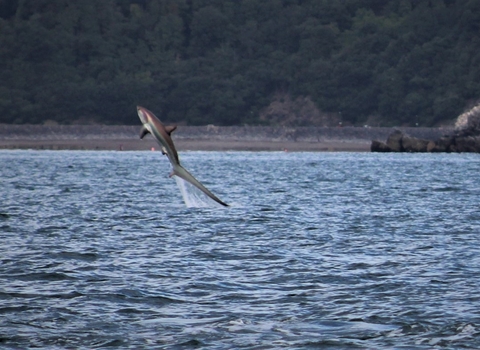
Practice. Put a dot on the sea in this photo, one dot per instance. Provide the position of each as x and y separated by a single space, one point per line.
103 249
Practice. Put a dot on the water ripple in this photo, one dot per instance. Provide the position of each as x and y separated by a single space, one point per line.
318 250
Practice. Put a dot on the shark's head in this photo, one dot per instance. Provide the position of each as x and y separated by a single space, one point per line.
143 114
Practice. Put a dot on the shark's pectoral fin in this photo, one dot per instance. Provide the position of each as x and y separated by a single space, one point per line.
144 131
172 174
171 128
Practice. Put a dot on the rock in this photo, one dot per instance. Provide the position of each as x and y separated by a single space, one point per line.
378 146
467 144
394 141
469 120
467 132
443 144
413 144
431 147
465 138
398 141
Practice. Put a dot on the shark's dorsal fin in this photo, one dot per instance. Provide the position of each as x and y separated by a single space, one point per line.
169 129
144 131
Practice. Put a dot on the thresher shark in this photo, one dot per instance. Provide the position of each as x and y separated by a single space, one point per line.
152 125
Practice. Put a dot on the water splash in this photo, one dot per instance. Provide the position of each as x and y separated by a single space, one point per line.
193 197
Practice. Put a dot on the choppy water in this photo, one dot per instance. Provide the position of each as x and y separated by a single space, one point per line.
319 250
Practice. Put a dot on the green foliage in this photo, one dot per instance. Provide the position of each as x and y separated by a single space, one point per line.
398 62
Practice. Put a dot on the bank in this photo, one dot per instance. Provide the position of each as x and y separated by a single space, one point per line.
208 138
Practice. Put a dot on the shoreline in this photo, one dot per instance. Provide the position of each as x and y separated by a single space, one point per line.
187 145
203 138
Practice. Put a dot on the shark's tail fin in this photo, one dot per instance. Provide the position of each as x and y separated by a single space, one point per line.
184 174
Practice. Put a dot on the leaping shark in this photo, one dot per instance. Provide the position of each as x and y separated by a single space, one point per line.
152 125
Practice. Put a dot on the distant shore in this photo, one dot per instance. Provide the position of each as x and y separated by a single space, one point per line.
188 145
201 138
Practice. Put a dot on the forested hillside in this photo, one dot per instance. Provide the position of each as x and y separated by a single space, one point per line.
376 62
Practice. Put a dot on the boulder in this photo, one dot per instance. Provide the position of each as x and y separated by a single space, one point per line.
443 144
378 146
413 144
467 144
394 141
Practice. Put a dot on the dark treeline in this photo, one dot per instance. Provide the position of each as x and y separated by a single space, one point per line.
396 62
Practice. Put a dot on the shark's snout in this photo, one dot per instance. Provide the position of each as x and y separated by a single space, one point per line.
142 114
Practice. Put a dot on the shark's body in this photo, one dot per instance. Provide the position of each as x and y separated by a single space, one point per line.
152 125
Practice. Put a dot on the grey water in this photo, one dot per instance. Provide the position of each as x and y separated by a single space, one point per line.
317 250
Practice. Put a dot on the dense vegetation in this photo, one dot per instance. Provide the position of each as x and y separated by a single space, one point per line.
396 62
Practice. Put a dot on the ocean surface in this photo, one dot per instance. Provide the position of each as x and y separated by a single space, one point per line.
317 250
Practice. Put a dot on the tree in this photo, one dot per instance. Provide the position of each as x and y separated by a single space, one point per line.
223 61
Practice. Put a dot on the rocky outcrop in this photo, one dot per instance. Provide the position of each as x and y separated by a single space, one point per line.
443 144
466 144
413 144
470 120
399 141
378 146
465 138
394 141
